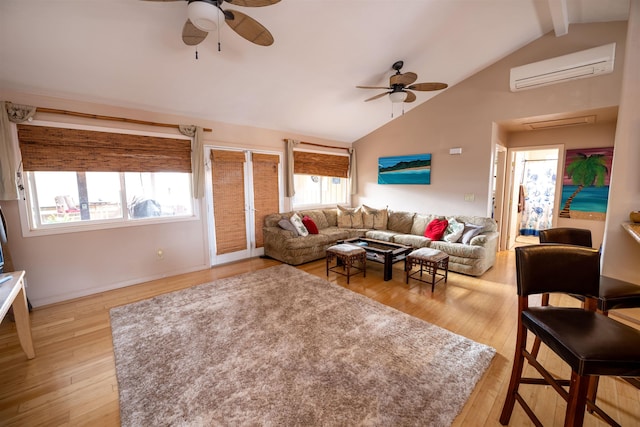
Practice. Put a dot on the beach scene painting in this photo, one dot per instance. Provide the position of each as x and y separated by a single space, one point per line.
585 184
411 169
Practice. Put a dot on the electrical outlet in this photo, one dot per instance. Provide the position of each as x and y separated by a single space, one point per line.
469 197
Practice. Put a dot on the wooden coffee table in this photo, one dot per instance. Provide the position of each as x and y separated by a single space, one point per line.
382 252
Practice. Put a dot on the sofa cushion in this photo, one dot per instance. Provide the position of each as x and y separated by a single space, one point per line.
401 222
436 228
349 217
454 231
376 219
412 240
384 235
317 215
297 223
331 216
420 222
334 233
309 225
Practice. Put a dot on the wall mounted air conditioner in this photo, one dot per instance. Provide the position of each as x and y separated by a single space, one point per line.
586 63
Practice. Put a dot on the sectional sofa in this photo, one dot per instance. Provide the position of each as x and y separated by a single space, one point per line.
473 258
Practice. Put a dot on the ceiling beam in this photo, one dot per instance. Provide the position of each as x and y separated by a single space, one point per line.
559 16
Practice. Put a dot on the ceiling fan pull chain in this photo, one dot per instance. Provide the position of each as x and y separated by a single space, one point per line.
196 52
218 16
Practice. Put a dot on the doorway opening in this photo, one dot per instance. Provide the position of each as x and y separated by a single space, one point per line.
534 183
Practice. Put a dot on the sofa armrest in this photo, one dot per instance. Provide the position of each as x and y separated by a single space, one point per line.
487 239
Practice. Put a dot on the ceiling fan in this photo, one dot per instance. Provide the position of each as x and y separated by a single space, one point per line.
401 84
203 17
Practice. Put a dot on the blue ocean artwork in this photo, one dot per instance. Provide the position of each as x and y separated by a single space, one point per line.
590 199
411 169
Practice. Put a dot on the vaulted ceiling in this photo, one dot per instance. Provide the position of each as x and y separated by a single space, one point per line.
130 53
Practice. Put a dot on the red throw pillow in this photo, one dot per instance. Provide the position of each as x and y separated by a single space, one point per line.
436 228
311 226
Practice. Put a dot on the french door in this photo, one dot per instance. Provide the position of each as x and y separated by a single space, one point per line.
245 187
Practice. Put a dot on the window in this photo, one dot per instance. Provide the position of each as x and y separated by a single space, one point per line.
319 190
77 177
82 197
320 179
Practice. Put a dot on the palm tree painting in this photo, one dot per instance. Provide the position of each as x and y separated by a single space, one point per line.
585 190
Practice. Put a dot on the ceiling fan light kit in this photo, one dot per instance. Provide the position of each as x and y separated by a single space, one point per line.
203 15
397 97
401 86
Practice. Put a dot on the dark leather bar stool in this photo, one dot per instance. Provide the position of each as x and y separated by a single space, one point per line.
612 294
566 235
591 343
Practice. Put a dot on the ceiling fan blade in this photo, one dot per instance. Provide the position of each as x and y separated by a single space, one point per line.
252 3
380 95
403 79
428 86
191 35
373 87
248 28
410 96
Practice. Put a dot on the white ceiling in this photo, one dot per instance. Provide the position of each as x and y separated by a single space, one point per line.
129 53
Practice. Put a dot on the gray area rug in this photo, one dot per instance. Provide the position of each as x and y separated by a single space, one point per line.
282 347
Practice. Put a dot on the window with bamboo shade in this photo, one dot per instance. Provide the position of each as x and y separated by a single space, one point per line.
46 148
320 179
79 177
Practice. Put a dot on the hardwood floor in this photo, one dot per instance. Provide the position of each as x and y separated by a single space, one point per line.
72 380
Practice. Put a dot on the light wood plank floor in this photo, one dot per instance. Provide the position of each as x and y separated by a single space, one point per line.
72 380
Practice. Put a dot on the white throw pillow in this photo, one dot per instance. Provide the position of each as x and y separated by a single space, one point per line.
454 231
297 223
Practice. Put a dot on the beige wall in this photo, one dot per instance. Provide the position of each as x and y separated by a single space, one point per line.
463 116
584 136
64 266
621 252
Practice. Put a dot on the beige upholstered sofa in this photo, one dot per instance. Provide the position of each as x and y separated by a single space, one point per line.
406 228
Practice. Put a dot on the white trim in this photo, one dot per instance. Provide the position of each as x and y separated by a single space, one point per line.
510 191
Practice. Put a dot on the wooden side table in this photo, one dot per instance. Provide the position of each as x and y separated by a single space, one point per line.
12 295
429 261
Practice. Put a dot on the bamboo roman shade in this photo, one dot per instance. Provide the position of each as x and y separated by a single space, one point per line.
227 174
266 193
320 164
47 148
